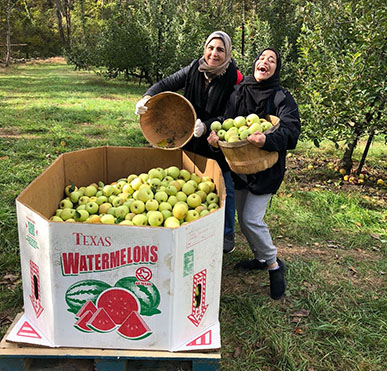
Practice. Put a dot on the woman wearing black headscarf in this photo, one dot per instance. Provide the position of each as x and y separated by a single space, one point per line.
208 83
261 93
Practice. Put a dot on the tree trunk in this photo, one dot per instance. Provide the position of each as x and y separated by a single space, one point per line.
346 162
60 24
8 36
365 153
67 7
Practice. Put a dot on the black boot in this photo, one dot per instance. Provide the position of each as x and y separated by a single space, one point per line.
228 243
277 281
252 264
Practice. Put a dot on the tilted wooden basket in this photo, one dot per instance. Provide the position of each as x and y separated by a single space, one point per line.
169 121
245 158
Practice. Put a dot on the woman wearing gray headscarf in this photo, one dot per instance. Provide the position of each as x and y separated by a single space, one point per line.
208 83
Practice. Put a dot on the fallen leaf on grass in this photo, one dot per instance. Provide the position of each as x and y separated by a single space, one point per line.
10 277
4 158
237 352
376 236
353 270
298 331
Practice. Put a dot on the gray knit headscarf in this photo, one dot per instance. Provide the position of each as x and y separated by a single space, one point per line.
210 71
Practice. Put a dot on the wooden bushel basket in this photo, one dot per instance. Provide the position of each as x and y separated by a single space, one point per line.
245 158
169 121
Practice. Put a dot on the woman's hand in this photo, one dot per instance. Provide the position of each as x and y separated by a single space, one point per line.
258 139
213 139
140 105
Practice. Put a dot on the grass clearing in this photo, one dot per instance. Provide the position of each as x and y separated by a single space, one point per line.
331 234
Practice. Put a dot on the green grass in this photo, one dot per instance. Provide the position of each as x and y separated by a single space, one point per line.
331 234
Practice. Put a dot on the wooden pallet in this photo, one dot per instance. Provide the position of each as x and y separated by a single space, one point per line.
21 357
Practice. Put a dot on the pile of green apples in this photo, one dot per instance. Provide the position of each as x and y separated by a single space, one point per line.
239 128
166 197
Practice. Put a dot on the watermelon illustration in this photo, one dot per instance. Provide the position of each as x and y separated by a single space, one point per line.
81 292
81 324
134 327
101 322
148 296
118 304
88 306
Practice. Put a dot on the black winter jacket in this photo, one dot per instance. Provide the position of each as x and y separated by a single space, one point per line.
283 106
180 80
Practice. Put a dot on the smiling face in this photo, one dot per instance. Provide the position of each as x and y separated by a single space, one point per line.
265 65
214 53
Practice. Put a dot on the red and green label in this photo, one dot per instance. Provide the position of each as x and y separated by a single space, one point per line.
99 307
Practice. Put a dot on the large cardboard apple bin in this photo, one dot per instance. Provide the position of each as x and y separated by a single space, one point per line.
173 275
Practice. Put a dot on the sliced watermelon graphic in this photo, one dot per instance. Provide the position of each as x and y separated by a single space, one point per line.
101 321
88 306
134 327
82 291
148 296
81 324
118 304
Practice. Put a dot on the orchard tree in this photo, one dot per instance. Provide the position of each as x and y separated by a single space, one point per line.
342 71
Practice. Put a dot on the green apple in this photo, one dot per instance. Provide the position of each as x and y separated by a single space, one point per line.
121 183
212 197
233 138
137 207
66 204
56 218
144 194
181 182
94 219
81 215
166 213
121 211
91 190
192 215
171 222
188 188
202 194
70 188
211 184
127 188
180 210
252 118
92 207
216 125
131 177
185 175
71 220
101 200
200 208
155 173
196 178
144 177
82 190
171 190
130 216
58 212
165 206
232 131
75 196
204 212
255 127
103 208
221 133
126 222
112 211
154 183
239 121
107 219
173 171
67 213
175 183
242 129
140 219
152 205
266 125
213 206
161 196
136 183
194 200
227 124
155 218
204 187
129 202
244 134
172 200
118 201
108 190
181 196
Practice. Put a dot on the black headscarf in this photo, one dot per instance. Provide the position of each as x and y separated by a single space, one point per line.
252 96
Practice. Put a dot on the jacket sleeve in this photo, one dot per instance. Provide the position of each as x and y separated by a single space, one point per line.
173 82
286 136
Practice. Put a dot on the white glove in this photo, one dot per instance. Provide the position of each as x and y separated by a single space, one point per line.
199 129
140 105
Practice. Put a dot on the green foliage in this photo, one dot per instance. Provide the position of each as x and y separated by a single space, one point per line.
342 69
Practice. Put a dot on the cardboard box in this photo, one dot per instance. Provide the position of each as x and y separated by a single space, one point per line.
169 278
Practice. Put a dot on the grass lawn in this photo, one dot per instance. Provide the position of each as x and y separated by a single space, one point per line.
330 232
